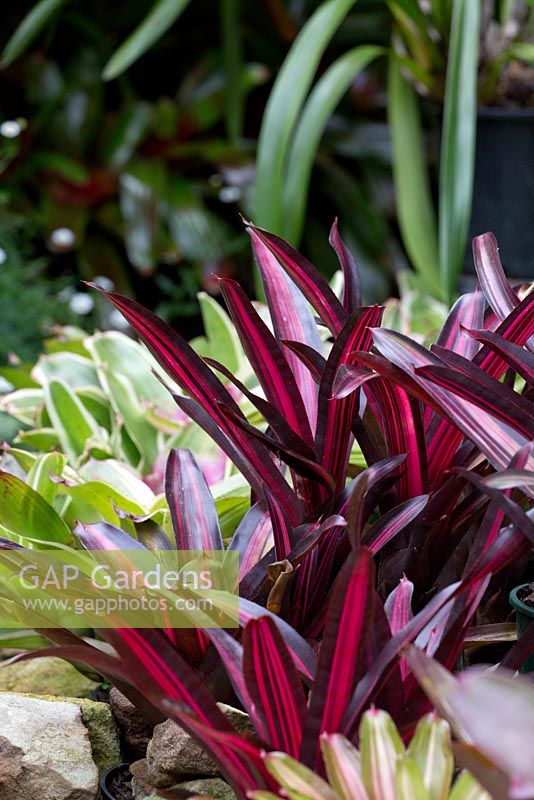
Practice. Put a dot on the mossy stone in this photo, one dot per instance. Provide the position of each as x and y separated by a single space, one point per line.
98 720
205 787
45 676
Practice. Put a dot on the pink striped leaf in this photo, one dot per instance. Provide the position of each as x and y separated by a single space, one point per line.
231 652
308 279
335 417
274 685
498 442
490 273
519 359
302 654
352 288
490 527
513 510
467 312
190 372
399 417
204 420
303 466
377 478
309 536
398 605
310 358
387 658
253 538
284 539
518 328
486 393
508 548
348 379
175 689
348 619
292 319
392 523
267 359
510 479
103 536
193 513
276 421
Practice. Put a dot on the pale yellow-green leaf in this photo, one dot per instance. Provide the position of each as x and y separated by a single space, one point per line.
409 782
296 779
380 748
343 767
467 788
430 749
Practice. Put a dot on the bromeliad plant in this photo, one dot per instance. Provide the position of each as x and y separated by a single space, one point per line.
446 435
433 425
96 397
271 669
381 768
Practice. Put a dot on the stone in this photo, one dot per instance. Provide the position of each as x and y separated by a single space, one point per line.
49 675
134 728
141 786
209 787
101 727
103 733
45 751
172 753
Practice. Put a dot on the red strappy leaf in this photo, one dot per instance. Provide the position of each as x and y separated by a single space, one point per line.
274 685
193 513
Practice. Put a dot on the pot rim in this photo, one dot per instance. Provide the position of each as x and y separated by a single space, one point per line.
499 113
105 775
518 604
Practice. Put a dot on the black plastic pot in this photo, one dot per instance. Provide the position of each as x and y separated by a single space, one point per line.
524 618
109 779
503 196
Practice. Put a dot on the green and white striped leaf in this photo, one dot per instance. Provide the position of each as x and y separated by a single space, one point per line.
27 514
39 474
77 430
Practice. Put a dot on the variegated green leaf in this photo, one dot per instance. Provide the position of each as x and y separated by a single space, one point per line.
27 514
75 370
75 427
39 475
23 404
221 341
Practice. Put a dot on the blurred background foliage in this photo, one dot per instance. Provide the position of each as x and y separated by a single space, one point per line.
134 135
141 178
